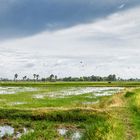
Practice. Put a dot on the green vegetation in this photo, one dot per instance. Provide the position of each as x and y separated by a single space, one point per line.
64 84
134 107
94 117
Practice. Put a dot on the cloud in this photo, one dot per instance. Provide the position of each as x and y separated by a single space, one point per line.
29 17
106 46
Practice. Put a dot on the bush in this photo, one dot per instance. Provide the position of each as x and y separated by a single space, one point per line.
129 94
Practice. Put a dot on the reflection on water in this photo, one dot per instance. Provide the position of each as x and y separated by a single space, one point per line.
6 130
95 91
13 90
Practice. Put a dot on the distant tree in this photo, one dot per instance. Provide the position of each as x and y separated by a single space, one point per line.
43 79
119 79
67 79
34 75
15 77
27 79
55 77
111 77
37 77
24 78
51 77
93 78
81 79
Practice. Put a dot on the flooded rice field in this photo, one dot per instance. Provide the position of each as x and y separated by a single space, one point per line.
44 96
95 91
83 90
13 90
60 111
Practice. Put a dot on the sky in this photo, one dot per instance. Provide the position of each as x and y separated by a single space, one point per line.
70 38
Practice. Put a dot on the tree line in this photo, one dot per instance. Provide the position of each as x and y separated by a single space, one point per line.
54 78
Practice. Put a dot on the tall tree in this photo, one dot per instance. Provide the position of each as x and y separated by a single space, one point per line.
34 75
15 77
24 78
55 77
111 77
51 77
37 77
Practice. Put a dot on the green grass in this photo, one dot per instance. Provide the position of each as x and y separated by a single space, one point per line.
45 124
134 107
65 84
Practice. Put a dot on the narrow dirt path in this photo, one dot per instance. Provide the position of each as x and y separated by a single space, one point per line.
123 113
125 116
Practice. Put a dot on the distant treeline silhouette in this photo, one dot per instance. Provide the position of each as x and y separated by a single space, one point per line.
54 78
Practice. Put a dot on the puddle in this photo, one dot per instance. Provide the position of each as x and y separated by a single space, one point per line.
62 131
70 134
6 130
17 103
9 131
38 96
90 96
76 136
25 131
107 93
91 103
18 135
13 90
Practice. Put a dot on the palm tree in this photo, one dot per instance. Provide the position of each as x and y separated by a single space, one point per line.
55 77
34 75
15 76
37 76
24 78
